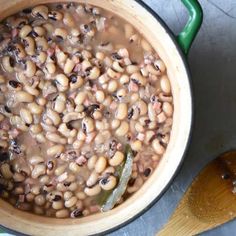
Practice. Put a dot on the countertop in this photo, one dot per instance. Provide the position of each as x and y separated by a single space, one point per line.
212 61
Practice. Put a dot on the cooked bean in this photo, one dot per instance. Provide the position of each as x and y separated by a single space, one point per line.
50 67
6 171
8 63
55 15
35 108
39 31
29 44
40 200
40 11
67 195
94 73
95 190
117 159
69 65
158 148
71 202
165 84
55 150
132 69
39 169
22 96
41 43
60 33
56 138
26 116
80 98
54 117
93 178
123 129
112 86
25 31
100 164
108 183
62 213
167 108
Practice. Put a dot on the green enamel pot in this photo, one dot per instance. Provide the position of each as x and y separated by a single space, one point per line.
173 51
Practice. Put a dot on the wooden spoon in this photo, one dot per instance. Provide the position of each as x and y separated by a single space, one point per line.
210 200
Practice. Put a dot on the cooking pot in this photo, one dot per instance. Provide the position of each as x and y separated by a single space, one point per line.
173 51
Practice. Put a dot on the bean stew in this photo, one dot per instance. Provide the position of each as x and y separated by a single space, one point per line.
85 110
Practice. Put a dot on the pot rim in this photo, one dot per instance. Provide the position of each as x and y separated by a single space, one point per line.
186 66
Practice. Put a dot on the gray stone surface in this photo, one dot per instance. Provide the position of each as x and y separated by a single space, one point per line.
212 61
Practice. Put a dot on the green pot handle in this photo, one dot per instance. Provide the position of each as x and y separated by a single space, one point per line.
188 34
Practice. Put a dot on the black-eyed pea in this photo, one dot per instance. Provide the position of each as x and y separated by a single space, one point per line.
57 205
117 159
41 43
144 71
167 108
94 73
138 78
67 195
108 183
22 96
100 164
50 67
20 51
122 129
91 162
55 150
77 144
113 74
80 195
100 56
134 97
35 108
69 20
93 179
41 138
40 11
132 69
124 79
88 124
31 90
139 128
61 187
80 98
161 117
152 125
115 123
136 145
40 200
122 111
39 31
61 33
69 66
44 179
74 167
39 169
100 96
29 44
97 115
34 160
159 65
35 189
137 184
148 136
117 67
76 83
53 116
112 86
8 63
55 15
64 213
121 93
41 57
165 84
60 170
26 116
25 31
70 202
103 79
146 46
93 191
73 186
6 171
62 80
108 170
30 69
151 69
158 148
18 190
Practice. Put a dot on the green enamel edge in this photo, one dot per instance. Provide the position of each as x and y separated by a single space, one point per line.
188 34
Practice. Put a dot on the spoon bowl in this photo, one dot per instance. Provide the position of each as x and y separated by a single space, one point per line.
209 201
